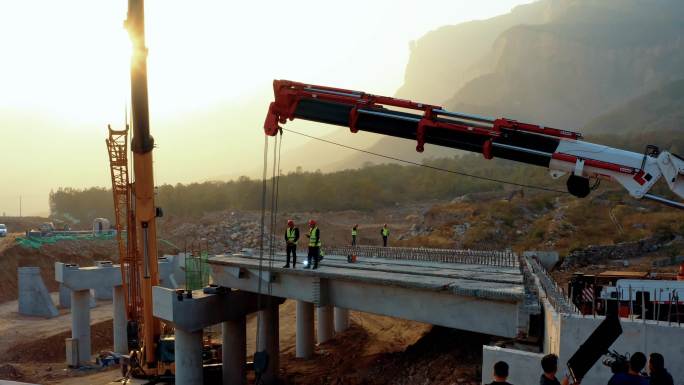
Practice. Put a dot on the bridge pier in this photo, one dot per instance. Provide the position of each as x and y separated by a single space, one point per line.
234 351
305 330
341 319
325 323
119 323
269 340
188 357
80 323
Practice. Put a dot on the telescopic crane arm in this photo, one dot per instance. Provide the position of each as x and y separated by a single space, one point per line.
145 211
562 152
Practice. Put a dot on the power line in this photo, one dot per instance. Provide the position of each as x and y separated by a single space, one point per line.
427 165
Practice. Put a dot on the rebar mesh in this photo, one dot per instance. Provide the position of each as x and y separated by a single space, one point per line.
475 257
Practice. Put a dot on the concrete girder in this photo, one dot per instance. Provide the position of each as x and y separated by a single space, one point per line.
437 307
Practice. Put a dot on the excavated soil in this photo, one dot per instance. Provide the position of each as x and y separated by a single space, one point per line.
440 356
81 252
53 349
14 255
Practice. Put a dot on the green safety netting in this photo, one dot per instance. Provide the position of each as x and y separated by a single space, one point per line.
37 241
196 271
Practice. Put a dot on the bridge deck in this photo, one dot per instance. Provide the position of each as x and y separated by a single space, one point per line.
494 282
474 297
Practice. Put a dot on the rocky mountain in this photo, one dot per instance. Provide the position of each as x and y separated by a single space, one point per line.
573 64
445 59
588 58
662 109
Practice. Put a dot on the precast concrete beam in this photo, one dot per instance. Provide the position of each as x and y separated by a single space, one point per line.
34 298
300 287
80 323
188 357
478 306
325 323
341 319
304 347
234 351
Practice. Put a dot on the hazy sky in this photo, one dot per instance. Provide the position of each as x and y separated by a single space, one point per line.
64 77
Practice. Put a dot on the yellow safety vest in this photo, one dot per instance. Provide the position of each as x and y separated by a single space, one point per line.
313 241
290 234
354 232
385 232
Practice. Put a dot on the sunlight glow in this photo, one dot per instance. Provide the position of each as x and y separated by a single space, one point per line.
64 76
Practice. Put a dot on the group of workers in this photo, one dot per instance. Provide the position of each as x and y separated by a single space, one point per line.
291 238
314 253
384 233
632 375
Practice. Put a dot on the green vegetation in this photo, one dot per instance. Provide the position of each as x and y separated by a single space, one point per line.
371 187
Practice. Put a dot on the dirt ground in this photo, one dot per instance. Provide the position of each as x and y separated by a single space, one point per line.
35 348
82 252
375 350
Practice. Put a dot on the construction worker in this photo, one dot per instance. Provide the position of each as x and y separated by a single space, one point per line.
355 233
291 238
314 245
633 376
549 364
500 374
656 368
385 234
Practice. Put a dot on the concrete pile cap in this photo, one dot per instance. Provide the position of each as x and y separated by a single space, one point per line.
84 278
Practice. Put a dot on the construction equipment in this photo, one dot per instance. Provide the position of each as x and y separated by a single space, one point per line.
134 206
152 351
562 152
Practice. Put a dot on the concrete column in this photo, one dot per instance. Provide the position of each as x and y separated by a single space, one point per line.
305 330
188 357
341 319
80 323
325 323
120 334
269 340
234 351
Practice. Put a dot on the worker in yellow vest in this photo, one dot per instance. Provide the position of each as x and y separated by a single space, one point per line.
385 234
291 238
314 245
355 233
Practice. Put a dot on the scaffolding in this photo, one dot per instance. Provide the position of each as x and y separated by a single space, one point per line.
117 148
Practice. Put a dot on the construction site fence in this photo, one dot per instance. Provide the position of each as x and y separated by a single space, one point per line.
475 257
554 293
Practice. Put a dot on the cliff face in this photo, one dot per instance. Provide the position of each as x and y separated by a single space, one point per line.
444 60
560 62
595 66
